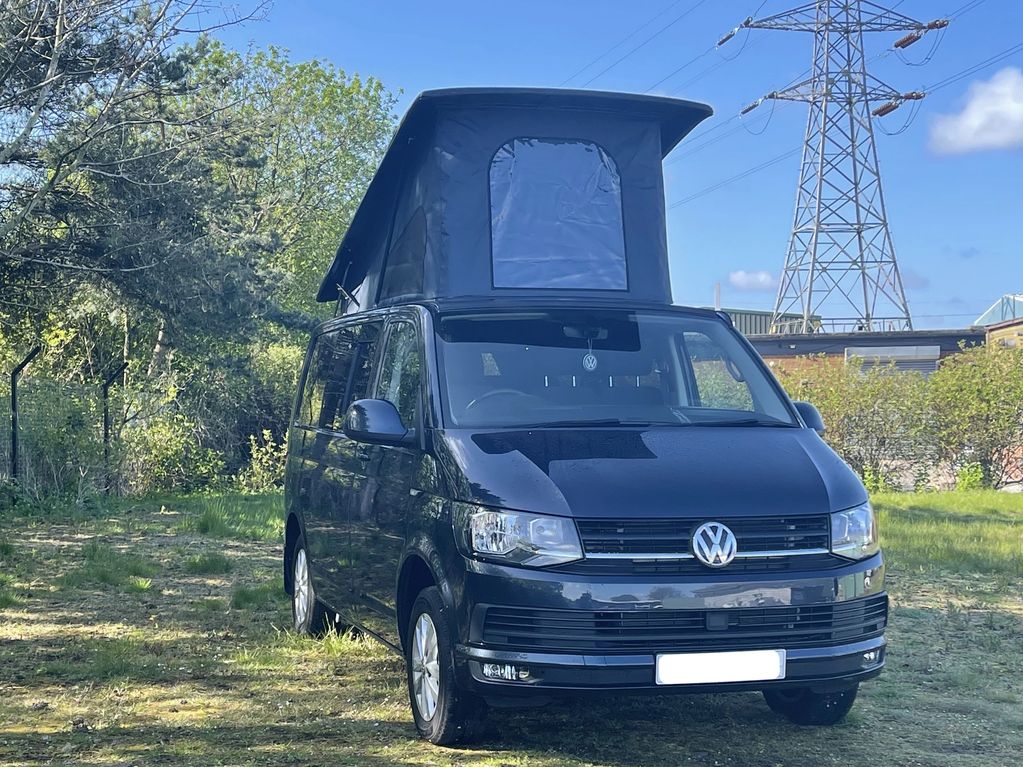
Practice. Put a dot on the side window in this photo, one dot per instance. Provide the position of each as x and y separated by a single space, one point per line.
719 383
340 363
363 340
399 372
326 368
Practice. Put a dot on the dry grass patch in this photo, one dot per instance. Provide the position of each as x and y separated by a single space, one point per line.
196 668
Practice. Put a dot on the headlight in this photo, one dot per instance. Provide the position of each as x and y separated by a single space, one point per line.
533 540
854 533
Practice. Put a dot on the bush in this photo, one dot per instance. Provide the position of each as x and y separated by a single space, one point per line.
963 424
265 471
163 452
977 401
875 418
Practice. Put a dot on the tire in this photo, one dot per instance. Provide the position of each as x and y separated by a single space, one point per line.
443 713
308 615
803 706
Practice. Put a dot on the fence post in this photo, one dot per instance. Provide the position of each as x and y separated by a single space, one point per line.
15 375
106 424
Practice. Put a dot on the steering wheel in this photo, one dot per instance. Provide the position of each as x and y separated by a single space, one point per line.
497 393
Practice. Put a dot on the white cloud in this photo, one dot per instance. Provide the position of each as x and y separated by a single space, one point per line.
992 117
760 281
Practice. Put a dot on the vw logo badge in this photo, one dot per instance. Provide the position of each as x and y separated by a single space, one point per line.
590 362
714 544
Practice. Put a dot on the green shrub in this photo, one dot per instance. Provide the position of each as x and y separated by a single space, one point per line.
166 454
977 400
265 471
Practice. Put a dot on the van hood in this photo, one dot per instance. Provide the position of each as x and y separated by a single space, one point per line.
689 471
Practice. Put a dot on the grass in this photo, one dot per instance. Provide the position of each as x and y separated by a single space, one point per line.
961 532
103 564
245 517
257 596
115 652
210 563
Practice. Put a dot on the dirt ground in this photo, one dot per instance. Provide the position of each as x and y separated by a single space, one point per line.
154 634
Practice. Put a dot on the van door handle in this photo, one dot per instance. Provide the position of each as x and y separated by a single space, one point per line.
362 455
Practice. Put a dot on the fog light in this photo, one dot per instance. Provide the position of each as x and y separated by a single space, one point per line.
505 671
871 656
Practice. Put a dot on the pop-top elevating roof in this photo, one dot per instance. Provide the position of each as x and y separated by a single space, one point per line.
486 191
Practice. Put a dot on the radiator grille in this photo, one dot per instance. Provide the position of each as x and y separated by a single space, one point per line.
657 630
673 536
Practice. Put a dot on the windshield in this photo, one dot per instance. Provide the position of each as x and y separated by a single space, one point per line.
579 367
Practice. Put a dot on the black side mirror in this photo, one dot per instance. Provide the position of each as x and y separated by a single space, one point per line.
376 422
811 416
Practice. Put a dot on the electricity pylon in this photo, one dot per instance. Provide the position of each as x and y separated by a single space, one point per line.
840 271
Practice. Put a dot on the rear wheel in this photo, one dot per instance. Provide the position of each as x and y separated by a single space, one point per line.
801 705
307 612
443 713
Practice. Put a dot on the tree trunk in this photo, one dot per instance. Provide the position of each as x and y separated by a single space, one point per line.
163 352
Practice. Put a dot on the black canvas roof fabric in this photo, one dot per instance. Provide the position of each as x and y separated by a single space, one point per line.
511 191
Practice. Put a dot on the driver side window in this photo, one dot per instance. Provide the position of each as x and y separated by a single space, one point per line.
400 372
719 383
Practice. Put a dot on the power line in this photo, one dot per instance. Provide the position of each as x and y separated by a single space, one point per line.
675 72
623 41
965 9
951 79
738 177
645 42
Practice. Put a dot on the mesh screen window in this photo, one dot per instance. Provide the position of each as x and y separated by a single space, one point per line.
556 216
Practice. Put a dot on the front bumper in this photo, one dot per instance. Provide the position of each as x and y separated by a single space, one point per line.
821 668
576 634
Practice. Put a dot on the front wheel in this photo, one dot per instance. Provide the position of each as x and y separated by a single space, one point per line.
443 713
308 616
803 706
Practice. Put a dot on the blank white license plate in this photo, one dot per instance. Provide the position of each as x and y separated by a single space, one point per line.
717 667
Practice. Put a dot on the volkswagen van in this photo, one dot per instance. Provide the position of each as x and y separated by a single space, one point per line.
514 461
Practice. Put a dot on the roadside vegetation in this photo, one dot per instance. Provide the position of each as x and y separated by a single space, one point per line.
142 633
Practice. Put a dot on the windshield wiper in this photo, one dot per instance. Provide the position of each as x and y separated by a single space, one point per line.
747 422
594 422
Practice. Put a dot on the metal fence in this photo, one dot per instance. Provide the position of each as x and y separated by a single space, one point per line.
60 436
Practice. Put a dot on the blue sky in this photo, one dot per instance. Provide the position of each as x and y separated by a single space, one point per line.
953 178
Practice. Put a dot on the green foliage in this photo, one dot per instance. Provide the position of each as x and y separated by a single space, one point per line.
977 400
166 454
874 417
265 471
187 237
962 425
970 477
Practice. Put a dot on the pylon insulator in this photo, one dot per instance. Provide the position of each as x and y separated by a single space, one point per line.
937 24
908 40
885 109
727 37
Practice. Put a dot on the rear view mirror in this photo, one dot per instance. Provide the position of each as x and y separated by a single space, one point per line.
811 416
376 422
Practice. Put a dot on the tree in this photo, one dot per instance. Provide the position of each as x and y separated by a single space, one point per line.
320 134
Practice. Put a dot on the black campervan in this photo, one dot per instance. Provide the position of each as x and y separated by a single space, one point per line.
515 462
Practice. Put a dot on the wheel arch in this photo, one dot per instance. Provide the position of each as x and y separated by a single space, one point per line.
417 572
292 534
